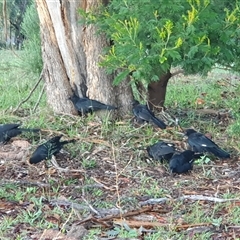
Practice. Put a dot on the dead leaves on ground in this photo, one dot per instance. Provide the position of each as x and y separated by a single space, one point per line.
117 176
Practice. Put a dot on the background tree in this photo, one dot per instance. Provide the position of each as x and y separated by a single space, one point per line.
151 37
71 52
147 40
30 59
11 18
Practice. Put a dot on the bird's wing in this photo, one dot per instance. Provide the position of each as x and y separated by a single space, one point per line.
142 112
176 160
53 145
164 148
82 103
9 126
6 135
40 154
201 140
158 122
96 105
179 163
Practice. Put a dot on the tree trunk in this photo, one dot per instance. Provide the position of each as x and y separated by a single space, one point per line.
157 91
71 53
98 82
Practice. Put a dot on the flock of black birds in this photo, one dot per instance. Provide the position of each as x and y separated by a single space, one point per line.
179 162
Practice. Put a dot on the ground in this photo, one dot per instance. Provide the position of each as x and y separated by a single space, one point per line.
105 186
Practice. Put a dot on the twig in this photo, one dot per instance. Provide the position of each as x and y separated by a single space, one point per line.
154 201
206 198
76 206
96 185
126 166
101 184
39 98
117 214
193 225
63 225
56 165
234 226
118 204
21 182
128 214
30 94
89 205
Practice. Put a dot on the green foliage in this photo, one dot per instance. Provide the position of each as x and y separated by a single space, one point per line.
11 18
150 37
31 59
15 86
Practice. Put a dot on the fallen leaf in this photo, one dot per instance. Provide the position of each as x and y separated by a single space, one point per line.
199 101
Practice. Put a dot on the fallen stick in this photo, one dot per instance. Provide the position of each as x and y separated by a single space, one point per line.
154 201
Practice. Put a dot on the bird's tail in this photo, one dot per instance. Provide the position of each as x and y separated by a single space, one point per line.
159 123
110 107
29 129
218 152
197 155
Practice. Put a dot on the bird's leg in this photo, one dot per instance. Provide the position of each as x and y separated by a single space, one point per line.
54 162
48 163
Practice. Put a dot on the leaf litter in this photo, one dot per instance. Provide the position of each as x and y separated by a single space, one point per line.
121 190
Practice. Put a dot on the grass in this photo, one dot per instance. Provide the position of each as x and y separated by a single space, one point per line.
108 166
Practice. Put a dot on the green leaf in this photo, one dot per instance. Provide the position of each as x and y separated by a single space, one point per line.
162 59
193 50
153 37
174 55
120 77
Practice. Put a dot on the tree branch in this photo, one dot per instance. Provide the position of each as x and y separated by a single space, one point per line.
154 201
39 98
30 94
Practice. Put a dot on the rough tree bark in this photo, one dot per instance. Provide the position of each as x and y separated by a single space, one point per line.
71 52
157 91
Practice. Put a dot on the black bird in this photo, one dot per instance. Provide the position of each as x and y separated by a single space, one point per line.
200 143
47 149
143 113
183 162
86 105
10 130
161 150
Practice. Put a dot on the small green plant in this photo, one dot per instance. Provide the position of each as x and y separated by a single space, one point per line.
89 163
97 193
217 221
92 234
203 160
